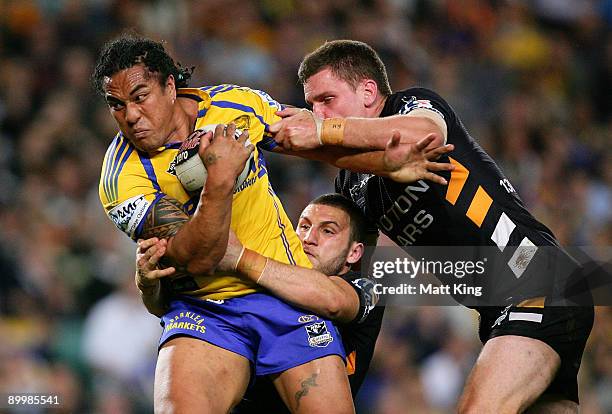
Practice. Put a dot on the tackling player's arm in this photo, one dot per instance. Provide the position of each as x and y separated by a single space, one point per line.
400 162
197 244
389 136
302 130
328 296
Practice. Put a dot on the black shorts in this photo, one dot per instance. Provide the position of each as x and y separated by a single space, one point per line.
565 329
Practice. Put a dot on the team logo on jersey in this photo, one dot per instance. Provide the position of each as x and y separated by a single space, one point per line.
128 215
412 103
318 335
501 318
307 318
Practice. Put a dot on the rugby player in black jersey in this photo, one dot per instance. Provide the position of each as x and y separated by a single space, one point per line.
532 351
333 231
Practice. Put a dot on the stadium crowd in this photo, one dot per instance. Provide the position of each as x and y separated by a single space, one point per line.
532 79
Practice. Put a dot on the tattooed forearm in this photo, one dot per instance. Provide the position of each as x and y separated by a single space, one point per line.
306 385
166 218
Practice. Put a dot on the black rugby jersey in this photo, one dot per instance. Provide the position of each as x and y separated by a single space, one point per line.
479 207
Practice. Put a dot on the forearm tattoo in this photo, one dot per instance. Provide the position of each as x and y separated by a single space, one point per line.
166 218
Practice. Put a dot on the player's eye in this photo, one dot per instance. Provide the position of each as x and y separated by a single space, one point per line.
115 106
304 226
328 99
141 97
328 231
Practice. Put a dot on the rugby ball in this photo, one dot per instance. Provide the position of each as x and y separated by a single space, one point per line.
189 167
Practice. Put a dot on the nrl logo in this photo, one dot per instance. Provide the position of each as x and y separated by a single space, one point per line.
318 335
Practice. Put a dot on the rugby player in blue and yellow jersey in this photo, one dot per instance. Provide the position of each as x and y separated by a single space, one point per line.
217 327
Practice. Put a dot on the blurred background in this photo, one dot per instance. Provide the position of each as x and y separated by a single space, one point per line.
530 79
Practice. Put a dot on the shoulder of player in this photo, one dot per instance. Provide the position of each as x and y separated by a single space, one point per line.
417 91
412 95
408 100
350 276
117 153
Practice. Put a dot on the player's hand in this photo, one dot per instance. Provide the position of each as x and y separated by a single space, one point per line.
229 262
297 130
225 157
148 253
406 163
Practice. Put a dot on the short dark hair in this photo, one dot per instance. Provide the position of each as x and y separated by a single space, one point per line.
128 50
357 220
349 60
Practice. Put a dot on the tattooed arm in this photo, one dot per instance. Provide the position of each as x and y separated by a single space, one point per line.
197 244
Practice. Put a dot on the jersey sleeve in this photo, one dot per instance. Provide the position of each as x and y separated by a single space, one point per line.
265 108
367 296
420 99
126 195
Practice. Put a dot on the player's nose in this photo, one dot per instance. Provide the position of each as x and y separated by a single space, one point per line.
310 237
132 113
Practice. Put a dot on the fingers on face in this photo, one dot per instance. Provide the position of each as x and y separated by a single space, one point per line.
288 112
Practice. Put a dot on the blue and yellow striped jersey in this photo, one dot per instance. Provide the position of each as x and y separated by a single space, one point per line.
132 181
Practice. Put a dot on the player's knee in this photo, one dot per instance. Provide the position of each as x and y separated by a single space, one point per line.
167 402
164 406
178 404
172 398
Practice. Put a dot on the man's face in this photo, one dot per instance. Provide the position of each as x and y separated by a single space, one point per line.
325 235
141 107
332 97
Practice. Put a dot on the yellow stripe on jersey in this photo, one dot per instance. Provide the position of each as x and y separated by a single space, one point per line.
351 363
532 303
480 206
131 182
457 180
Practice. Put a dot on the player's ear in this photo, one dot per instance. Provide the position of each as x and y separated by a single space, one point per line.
355 252
370 92
171 86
